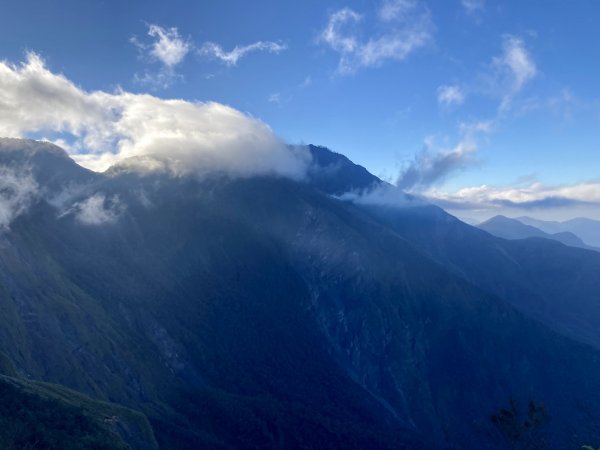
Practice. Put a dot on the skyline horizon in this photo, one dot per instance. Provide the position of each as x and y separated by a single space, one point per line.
472 219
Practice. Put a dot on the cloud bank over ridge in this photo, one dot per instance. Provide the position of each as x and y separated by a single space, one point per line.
529 197
100 129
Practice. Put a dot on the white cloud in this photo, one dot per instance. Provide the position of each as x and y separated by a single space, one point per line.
391 10
531 196
515 67
383 194
169 49
98 210
450 95
503 78
232 57
403 27
17 191
106 128
332 34
518 60
473 6
393 46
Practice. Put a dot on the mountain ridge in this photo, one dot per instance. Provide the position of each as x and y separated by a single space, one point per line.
586 229
508 228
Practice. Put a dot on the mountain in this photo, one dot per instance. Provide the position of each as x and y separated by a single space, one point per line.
507 228
586 229
335 174
546 280
266 313
48 164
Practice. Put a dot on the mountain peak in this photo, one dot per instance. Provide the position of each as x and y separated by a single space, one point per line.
499 219
50 165
335 174
30 147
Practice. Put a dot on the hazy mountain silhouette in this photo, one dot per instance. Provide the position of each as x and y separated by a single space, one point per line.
508 228
586 229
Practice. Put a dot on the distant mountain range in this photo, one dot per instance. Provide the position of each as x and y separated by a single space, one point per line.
263 312
507 228
587 229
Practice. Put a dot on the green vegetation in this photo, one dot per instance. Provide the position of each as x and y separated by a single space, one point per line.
46 416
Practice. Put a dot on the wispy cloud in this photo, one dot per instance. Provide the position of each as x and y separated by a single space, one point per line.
430 167
403 27
333 36
168 48
18 189
275 98
391 10
106 128
286 95
383 194
512 69
510 72
306 82
433 165
473 6
450 95
232 57
563 105
98 210
503 77
161 79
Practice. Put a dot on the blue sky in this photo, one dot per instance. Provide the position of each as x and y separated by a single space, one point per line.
483 106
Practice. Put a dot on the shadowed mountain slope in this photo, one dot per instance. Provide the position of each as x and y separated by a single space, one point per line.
547 280
262 313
